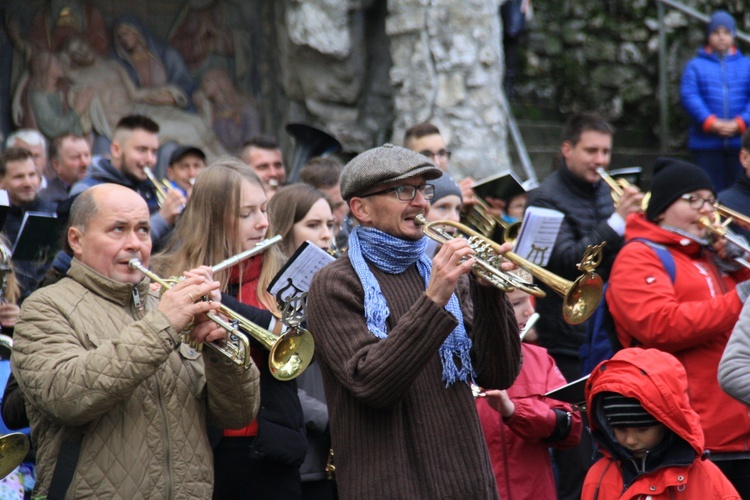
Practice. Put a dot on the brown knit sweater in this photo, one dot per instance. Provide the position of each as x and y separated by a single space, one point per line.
397 431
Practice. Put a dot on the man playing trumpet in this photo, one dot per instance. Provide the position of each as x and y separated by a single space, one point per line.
118 403
399 338
576 190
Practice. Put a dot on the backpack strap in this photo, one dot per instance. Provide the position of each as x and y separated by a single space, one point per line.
664 256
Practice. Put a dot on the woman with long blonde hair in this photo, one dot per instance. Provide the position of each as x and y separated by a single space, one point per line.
226 214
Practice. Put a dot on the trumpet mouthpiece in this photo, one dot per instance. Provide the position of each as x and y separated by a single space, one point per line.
274 183
419 220
134 263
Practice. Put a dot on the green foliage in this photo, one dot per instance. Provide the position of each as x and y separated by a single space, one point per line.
609 60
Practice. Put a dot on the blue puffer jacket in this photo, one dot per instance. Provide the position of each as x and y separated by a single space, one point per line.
716 86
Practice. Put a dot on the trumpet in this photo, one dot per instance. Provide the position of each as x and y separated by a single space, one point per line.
480 217
732 215
13 449
618 186
719 228
580 298
162 187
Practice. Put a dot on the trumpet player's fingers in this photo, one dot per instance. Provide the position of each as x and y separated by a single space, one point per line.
172 206
207 273
9 314
453 259
206 330
467 194
629 202
720 246
182 302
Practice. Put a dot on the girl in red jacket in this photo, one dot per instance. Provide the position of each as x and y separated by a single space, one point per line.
520 424
651 438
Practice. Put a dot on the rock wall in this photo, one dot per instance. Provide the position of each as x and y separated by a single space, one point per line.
380 67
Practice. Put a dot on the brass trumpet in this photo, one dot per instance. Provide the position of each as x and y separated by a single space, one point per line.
618 185
480 217
719 228
732 215
290 354
580 298
162 187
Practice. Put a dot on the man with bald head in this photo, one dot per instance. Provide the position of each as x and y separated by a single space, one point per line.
118 400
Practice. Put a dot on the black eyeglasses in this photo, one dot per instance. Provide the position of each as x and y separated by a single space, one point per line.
442 154
407 192
696 202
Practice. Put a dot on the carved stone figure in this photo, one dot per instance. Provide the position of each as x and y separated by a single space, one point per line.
151 62
115 95
233 114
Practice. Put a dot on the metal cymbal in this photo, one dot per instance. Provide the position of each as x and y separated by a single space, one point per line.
13 449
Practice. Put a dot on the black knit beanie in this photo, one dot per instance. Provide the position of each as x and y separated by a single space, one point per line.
673 178
625 412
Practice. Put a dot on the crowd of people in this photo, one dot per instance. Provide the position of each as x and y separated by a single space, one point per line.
427 380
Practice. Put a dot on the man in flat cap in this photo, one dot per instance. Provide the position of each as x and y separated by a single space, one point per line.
407 338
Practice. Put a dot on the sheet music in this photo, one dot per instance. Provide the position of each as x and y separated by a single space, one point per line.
297 274
538 234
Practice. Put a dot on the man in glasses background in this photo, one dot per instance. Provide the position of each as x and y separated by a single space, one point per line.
407 338
426 139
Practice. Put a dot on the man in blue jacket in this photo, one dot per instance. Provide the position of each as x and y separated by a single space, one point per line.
715 92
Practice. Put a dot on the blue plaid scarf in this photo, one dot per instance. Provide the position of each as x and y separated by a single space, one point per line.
393 256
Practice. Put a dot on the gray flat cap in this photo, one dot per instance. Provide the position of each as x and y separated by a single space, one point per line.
386 163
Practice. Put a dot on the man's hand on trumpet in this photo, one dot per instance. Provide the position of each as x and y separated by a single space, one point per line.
629 202
172 206
182 305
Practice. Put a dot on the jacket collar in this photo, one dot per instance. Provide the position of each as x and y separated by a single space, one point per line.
114 291
575 183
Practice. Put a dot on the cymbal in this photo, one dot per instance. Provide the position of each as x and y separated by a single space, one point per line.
13 449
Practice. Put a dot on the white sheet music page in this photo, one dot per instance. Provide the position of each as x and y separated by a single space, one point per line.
299 270
538 234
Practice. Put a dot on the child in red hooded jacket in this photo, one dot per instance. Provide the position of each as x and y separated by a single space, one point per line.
651 438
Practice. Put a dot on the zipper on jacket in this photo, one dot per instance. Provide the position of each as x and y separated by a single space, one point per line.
138 303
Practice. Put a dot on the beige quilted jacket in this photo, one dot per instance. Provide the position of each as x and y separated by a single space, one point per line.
138 399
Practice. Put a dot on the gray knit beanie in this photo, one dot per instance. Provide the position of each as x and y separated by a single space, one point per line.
445 186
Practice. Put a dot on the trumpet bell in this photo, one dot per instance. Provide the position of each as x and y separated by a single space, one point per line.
291 355
13 449
586 290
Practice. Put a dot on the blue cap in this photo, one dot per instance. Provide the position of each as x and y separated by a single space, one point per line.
720 19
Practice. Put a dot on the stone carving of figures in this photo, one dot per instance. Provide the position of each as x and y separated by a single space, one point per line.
232 114
58 20
53 110
207 32
151 62
115 95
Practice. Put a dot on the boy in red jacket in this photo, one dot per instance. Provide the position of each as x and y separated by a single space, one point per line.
651 438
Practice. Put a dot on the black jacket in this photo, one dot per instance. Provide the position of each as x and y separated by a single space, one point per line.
281 425
587 208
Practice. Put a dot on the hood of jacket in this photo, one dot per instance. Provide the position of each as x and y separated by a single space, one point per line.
101 168
658 381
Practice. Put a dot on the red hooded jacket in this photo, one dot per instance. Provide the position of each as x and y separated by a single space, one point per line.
691 319
676 470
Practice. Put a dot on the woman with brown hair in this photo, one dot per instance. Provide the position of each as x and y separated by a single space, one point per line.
301 213
226 214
